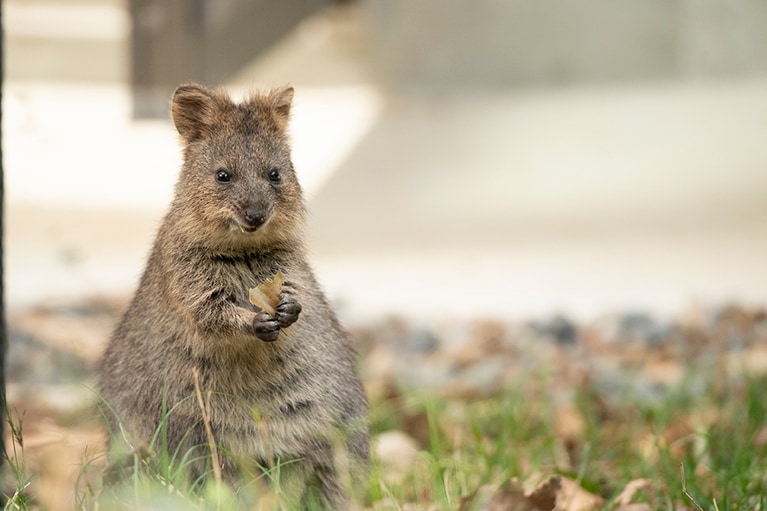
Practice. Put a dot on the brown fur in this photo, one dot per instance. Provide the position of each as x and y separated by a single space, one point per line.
297 399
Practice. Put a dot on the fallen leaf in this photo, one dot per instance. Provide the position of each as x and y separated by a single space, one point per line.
627 494
509 500
510 497
573 497
560 493
569 422
544 497
266 295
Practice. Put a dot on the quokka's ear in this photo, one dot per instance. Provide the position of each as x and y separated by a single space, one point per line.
194 109
281 100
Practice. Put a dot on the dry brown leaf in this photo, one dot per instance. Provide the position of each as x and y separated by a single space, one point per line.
509 500
544 497
537 493
266 295
509 497
573 497
569 422
760 438
626 495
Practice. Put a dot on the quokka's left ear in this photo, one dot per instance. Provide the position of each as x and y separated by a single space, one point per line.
195 108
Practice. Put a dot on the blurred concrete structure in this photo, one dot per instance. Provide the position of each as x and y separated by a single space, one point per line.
179 41
487 44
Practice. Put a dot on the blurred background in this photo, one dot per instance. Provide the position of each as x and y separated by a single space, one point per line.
462 159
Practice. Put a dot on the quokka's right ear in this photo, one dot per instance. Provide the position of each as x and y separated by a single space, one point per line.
194 109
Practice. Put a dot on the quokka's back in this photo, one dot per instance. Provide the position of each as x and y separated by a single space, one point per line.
282 388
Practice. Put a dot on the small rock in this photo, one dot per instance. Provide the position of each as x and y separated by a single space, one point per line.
559 328
641 327
396 452
30 360
482 378
423 341
380 365
427 375
486 339
453 334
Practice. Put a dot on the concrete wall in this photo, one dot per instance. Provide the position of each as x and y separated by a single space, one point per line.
492 43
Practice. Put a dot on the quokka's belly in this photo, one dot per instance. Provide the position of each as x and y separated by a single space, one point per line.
268 439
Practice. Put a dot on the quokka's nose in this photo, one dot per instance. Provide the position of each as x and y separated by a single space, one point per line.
254 218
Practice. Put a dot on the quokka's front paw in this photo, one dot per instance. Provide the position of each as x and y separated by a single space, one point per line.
287 310
267 327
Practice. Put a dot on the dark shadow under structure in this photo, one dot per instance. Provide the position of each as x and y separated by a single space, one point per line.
178 41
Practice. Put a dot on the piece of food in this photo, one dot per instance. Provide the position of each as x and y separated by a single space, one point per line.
266 295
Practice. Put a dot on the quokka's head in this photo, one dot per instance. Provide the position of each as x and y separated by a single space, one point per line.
237 187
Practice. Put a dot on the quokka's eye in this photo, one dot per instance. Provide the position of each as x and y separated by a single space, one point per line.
274 176
222 176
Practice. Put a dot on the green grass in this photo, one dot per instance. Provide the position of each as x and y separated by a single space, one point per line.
718 434
15 464
158 478
719 437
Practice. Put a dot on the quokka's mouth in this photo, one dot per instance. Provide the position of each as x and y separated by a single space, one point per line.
245 229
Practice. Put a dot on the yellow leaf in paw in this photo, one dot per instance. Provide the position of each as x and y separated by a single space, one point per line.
266 295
